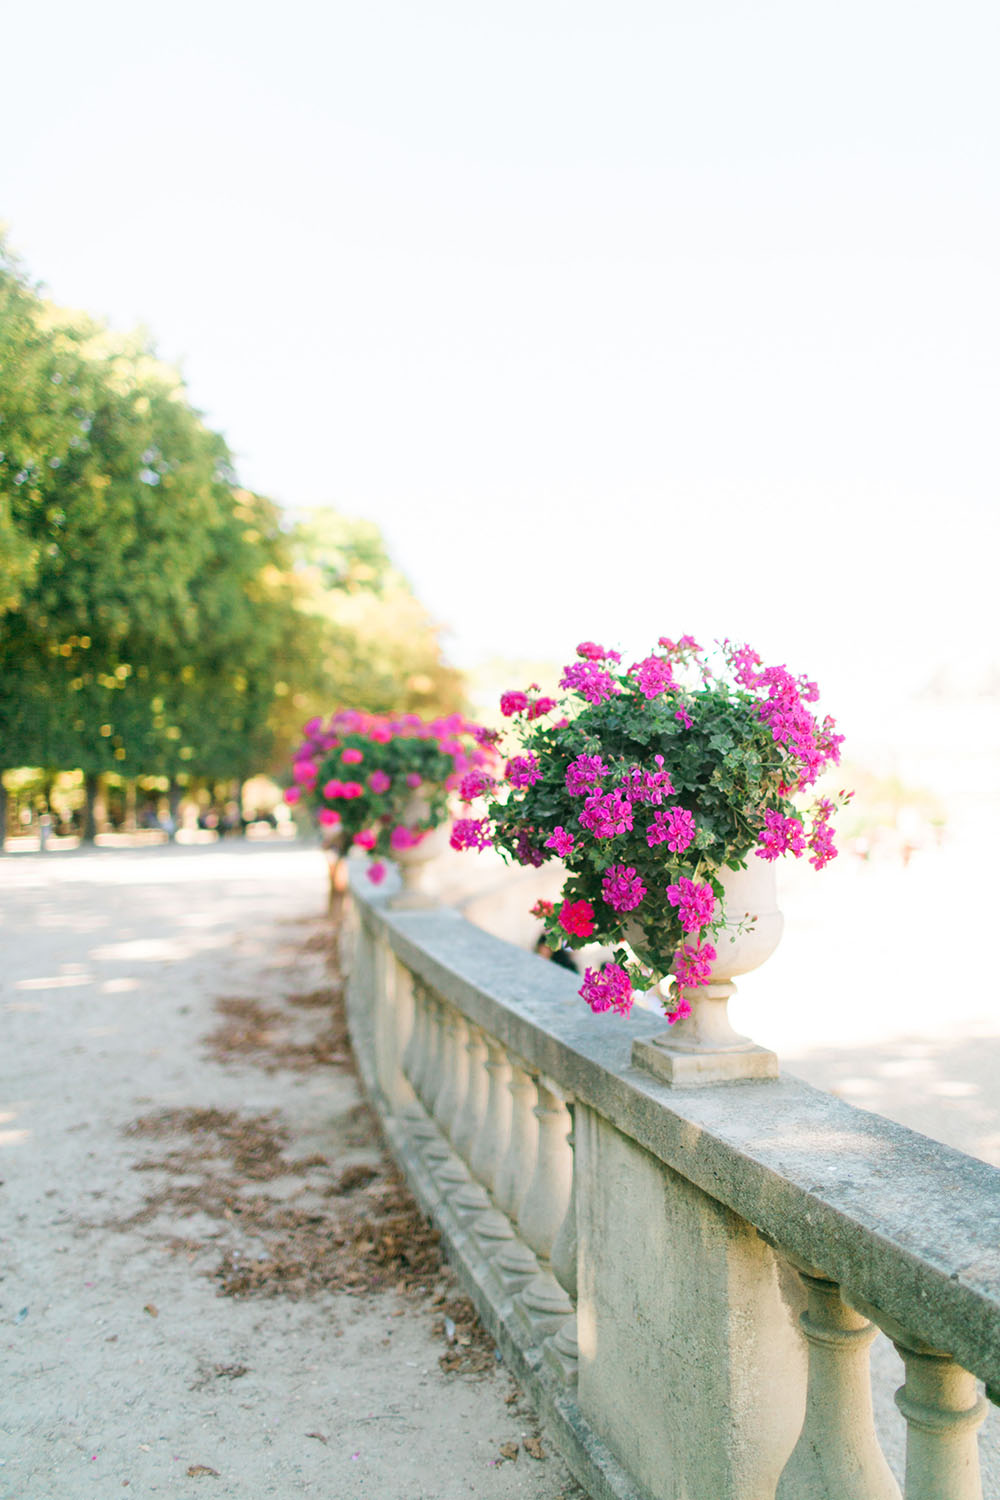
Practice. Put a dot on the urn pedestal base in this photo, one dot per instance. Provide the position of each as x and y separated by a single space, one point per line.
692 1068
703 1047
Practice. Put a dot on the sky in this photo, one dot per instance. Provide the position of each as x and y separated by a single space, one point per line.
619 319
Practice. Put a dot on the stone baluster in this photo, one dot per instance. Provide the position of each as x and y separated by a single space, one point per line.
562 1351
493 1135
491 1228
381 1012
543 1305
516 1170
837 1456
515 1264
420 1127
473 1110
543 1208
414 1053
454 1068
433 1080
943 1414
440 1083
564 1249
449 1169
394 1022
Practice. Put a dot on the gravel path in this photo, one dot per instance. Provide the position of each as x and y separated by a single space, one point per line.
212 1283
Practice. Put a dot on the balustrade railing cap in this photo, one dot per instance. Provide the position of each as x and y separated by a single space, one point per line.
910 1226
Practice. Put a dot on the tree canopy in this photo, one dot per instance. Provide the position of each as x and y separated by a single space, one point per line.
155 617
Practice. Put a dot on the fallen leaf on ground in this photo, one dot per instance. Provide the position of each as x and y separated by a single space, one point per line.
152 1309
509 1450
319 1436
195 1469
534 1447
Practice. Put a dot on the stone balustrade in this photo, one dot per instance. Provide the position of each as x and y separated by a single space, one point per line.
687 1281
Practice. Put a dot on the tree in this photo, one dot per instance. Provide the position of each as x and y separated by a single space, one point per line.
155 619
382 651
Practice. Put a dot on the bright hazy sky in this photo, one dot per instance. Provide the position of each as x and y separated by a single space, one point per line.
620 319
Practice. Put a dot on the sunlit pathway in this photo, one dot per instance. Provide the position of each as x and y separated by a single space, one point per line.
124 1370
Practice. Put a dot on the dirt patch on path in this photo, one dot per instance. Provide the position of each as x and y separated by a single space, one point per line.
296 1226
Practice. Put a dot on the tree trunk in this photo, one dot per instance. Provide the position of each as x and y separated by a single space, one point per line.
90 791
3 812
174 796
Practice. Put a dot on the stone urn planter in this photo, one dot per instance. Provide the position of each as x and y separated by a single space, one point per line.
414 860
703 1047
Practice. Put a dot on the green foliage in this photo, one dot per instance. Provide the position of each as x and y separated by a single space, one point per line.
380 650
154 618
661 782
146 602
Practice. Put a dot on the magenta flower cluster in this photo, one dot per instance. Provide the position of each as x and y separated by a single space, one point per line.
471 833
607 814
674 827
654 675
622 888
522 770
695 903
360 772
589 680
609 989
584 774
561 841
655 779
780 835
693 964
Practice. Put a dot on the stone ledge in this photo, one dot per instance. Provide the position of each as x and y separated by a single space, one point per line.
911 1226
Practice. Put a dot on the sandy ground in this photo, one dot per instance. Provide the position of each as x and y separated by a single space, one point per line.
146 1174
126 1368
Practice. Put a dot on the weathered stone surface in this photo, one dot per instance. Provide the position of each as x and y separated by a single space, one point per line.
910 1225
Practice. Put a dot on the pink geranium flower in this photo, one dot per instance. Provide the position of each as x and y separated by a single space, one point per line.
351 756
591 651
695 903
366 839
561 841
611 989
673 826
654 676
682 1008
470 833
402 837
380 781
589 680
622 888
584 774
522 770
577 918
780 835
513 703
376 872
693 964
